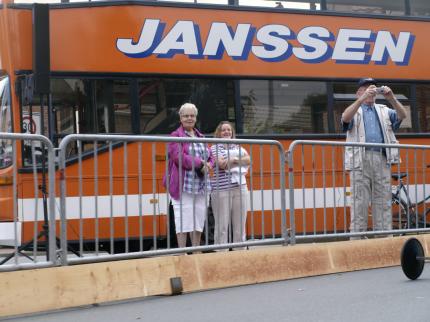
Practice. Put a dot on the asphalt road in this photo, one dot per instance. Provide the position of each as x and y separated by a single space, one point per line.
371 295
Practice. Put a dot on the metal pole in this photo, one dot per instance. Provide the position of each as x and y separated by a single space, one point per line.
43 184
291 195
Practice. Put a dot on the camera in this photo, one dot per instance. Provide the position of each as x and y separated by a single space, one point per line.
379 90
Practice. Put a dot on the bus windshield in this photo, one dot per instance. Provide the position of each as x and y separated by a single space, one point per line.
5 122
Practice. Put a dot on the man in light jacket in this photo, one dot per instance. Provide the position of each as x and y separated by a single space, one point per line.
364 121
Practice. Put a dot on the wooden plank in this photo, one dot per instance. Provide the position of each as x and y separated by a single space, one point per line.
62 287
227 269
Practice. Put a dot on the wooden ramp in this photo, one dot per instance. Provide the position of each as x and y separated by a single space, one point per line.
46 289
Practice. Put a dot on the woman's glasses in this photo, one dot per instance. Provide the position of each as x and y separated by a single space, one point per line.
185 116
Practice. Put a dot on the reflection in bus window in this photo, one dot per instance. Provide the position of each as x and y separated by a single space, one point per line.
5 123
419 7
283 4
393 7
211 97
107 105
113 106
73 101
152 104
283 107
423 104
402 93
160 99
32 114
345 95
90 106
69 101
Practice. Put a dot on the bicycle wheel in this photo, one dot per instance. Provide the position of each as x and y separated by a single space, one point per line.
424 219
400 214
419 215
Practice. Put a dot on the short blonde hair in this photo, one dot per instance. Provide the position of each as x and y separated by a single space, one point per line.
217 133
187 106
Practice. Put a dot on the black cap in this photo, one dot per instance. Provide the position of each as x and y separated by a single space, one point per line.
366 81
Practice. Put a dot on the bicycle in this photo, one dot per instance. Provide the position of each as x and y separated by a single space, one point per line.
408 214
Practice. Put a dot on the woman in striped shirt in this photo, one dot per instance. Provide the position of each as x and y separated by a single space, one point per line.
229 191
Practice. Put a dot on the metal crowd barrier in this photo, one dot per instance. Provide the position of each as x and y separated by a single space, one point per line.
113 205
111 191
31 226
320 195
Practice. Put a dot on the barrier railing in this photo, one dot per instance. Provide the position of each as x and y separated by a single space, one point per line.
320 197
27 205
113 204
111 194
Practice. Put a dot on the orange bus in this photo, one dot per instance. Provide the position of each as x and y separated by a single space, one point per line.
125 67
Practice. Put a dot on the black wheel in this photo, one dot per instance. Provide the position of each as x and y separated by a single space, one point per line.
411 265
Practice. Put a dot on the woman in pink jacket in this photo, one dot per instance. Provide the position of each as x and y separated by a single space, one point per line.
189 185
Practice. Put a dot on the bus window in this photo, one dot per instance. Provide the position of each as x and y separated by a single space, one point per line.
104 105
283 107
5 123
152 104
32 114
69 100
403 93
211 97
345 94
284 4
113 106
90 106
393 7
160 100
419 8
423 104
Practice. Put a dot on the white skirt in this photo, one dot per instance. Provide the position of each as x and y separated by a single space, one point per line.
190 220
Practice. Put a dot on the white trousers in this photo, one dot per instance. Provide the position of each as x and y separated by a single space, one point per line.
371 184
192 214
230 208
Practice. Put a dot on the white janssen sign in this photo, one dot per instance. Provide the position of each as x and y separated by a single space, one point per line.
270 43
